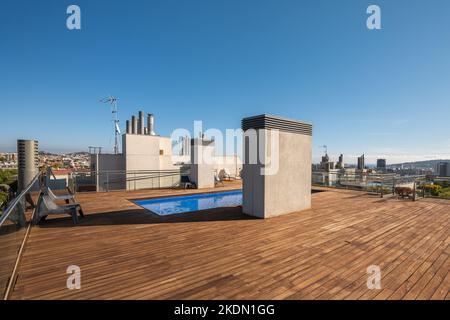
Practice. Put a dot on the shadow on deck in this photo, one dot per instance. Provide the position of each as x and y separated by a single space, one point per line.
143 216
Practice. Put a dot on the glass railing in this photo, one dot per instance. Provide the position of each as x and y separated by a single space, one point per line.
110 180
380 184
14 220
436 187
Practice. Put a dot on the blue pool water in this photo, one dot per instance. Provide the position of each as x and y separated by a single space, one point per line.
172 205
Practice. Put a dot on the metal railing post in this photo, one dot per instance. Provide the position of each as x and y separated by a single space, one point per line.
393 186
17 206
21 216
381 189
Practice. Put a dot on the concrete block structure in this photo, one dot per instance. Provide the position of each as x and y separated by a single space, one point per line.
114 164
147 152
147 161
144 155
202 163
269 193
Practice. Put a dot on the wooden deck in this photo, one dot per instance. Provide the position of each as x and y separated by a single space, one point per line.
125 252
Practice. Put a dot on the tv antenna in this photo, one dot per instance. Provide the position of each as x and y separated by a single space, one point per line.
115 118
325 147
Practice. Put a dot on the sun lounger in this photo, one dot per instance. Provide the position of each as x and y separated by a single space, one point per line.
217 180
54 197
403 192
185 182
46 206
226 174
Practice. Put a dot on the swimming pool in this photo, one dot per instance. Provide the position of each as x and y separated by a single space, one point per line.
179 204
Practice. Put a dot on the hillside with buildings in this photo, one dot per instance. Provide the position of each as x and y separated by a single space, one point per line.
418 164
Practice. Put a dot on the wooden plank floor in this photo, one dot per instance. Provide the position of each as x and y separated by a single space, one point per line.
11 239
125 252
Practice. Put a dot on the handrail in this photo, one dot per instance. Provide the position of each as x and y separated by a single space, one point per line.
96 172
17 199
372 183
107 180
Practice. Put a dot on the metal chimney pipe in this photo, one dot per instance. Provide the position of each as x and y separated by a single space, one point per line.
128 126
141 123
133 124
150 125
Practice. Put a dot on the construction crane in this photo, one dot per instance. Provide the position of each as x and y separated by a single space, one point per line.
115 118
325 148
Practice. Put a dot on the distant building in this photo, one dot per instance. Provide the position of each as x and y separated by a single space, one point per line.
340 164
326 164
8 160
443 169
381 165
28 162
10 156
361 163
185 149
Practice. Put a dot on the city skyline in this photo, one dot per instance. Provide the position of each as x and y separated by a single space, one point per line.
383 92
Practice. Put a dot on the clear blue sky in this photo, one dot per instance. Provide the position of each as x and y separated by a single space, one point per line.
383 93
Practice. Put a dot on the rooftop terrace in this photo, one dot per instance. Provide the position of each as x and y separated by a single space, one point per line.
125 252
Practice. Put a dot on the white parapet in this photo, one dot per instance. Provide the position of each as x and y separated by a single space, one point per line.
277 166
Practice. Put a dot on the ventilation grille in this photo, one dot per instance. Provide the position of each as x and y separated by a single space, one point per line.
271 122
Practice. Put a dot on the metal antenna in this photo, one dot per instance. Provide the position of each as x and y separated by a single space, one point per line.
115 115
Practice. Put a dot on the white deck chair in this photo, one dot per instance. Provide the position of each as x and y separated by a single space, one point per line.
65 197
226 174
185 182
47 206
217 180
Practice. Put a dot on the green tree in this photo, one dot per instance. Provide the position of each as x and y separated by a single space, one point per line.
7 175
3 197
